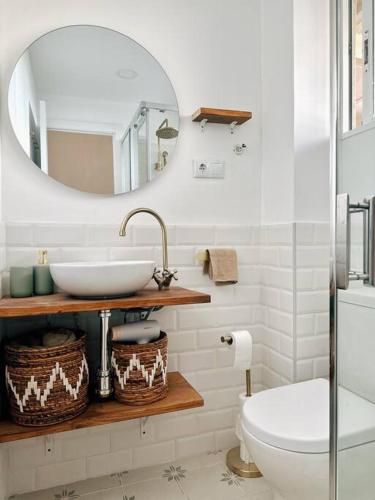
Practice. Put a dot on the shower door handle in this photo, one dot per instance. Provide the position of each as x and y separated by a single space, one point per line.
342 241
344 209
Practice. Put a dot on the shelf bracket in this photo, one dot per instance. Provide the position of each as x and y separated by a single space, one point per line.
203 124
144 428
232 126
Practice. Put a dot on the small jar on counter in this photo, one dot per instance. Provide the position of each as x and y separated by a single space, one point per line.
43 283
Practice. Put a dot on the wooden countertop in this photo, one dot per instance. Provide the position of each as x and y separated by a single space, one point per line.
61 303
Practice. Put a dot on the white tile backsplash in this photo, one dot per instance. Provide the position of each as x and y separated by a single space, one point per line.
151 235
281 298
108 236
60 473
133 253
279 234
83 254
59 235
187 447
154 454
195 235
312 300
19 235
86 445
109 463
236 235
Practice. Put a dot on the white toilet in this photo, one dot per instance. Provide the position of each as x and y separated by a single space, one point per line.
287 433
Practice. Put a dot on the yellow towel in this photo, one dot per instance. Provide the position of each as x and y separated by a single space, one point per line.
221 266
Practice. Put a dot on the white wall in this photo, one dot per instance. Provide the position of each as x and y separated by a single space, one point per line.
278 120
311 110
208 66
296 114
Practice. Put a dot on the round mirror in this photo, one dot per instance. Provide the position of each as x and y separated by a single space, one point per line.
93 109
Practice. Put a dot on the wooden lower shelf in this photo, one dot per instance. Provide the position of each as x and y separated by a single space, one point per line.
181 396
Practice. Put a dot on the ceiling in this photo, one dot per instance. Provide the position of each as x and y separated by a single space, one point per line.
83 61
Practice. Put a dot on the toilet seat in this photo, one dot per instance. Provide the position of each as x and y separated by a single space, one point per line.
293 417
296 417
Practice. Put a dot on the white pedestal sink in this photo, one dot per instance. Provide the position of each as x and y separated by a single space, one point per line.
102 279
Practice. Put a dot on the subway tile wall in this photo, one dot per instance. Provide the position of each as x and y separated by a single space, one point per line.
282 304
277 322
312 301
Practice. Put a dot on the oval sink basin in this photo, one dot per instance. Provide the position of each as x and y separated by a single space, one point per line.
102 279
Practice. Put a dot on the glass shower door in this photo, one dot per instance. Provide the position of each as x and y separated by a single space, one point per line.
354 342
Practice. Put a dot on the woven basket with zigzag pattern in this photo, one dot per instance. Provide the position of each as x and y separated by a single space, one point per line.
140 371
47 385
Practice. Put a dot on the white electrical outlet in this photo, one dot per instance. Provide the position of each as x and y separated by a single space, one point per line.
209 169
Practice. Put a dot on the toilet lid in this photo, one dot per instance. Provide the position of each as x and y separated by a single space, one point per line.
296 417
293 417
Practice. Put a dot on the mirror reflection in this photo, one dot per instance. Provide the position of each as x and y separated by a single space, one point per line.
358 69
94 110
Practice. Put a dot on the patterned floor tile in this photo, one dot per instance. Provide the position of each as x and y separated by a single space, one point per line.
258 486
266 495
251 486
205 477
210 458
71 491
113 494
155 489
142 474
94 484
212 483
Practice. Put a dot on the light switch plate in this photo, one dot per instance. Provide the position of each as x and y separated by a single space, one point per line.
209 169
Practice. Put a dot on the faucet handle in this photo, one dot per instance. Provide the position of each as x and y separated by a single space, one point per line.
163 277
157 273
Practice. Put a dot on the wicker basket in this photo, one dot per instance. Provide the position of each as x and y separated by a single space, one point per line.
140 371
47 385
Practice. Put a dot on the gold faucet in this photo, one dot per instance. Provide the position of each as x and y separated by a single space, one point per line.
163 277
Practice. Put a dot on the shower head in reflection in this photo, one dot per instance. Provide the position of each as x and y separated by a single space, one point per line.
164 132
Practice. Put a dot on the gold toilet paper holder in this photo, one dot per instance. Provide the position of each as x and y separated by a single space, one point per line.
227 339
234 460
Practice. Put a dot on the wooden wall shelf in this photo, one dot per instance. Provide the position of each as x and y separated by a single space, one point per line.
225 116
181 396
60 303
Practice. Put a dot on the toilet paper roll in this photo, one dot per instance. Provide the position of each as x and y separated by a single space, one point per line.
140 332
242 399
243 349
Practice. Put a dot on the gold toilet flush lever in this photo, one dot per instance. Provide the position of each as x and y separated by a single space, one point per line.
164 276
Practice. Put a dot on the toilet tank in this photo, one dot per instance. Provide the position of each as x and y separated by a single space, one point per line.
356 340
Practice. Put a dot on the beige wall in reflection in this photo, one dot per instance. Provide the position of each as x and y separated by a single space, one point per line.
81 161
